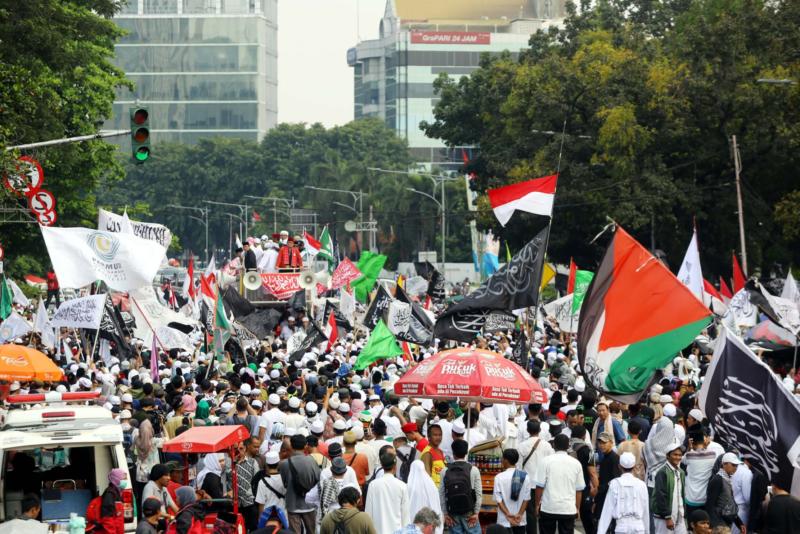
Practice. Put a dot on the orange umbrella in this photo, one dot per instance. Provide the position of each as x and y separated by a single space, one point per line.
22 363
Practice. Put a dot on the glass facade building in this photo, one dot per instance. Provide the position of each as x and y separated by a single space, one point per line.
419 40
203 68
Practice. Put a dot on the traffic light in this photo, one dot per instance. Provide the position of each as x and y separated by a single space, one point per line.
140 135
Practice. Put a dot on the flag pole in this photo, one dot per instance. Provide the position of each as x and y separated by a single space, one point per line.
149 325
550 222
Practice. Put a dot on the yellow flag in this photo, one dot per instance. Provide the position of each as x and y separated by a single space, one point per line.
548 272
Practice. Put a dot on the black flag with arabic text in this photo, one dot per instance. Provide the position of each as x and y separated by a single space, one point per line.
514 286
420 329
377 307
314 336
752 412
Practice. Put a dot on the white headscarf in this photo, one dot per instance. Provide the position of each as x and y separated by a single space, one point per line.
422 491
210 465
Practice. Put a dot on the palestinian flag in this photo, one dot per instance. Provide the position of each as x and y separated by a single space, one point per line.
635 317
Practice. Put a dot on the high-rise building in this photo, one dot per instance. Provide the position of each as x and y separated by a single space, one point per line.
203 68
419 40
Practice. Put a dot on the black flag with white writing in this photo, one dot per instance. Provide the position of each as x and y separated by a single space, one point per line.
377 307
751 411
420 329
514 286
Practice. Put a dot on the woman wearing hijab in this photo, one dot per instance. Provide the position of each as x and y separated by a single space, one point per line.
145 451
189 511
112 519
422 492
211 478
202 414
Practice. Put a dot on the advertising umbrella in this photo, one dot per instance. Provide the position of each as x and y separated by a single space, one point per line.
22 363
473 375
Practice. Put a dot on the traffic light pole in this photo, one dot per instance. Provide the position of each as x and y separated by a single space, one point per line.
67 140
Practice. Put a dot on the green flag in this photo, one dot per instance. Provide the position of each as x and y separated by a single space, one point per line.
370 265
382 344
582 280
222 328
6 297
326 250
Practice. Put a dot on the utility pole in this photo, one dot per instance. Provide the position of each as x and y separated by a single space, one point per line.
203 221
737 164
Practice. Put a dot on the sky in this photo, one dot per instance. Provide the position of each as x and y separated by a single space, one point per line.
314 82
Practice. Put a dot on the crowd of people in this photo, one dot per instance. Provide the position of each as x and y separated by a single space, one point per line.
332 449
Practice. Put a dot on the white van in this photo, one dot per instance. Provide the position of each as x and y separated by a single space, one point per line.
62 452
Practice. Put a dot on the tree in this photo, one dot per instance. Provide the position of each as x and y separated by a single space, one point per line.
58 81
633 102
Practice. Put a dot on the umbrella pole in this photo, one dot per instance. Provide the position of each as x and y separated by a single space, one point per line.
94 346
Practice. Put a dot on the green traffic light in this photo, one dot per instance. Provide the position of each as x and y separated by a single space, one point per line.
142 154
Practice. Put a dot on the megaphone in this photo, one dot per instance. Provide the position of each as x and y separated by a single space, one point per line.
252 280
308 279
226 279
323 278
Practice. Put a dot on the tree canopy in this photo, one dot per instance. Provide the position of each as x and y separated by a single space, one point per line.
57 81
289 158
647 95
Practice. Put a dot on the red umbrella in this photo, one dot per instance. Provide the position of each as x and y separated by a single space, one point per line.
470 374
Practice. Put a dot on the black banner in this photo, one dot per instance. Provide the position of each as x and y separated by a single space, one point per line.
235 303
420 330
751 411
377 307
314 336
514 286
341 320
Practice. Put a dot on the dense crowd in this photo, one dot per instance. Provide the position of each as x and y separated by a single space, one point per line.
332 449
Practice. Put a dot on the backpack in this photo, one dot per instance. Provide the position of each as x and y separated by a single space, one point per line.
93 510
459 497
405 467
367 483
340 527
260 474
299 488
196 528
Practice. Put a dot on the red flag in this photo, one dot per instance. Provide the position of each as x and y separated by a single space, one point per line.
333 334
206 283
709 288
738 276
428 302
190 274
724 290
571 280
406 351
532 196
464 156
256 216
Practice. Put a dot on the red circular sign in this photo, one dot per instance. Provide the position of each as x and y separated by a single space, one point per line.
48 218
41 201
27 179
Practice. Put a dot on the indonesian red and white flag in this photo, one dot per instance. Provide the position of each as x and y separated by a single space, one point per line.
312 245
332 331
188 282
534 196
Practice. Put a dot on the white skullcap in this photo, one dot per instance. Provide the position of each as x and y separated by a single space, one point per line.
245 389
274 399
317 427
627 460
669 410
696 414
294 402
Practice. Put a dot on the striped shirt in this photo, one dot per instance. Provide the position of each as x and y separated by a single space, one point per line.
699 466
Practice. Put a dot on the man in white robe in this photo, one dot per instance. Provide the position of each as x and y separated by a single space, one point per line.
388 500
627 501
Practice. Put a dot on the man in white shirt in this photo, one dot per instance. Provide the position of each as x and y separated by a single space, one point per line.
270 491
627 501
559 487
270 417
268 260
531 452
512 492
387 500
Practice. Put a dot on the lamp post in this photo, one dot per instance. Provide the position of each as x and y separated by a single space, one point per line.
204 221
358 198
286 202
242 210
441 207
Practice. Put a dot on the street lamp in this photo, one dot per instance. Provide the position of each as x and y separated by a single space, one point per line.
242 210
203 221
358 198
286 202
441 207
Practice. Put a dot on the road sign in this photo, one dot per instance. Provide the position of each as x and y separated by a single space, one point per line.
42 201
47 218
27 179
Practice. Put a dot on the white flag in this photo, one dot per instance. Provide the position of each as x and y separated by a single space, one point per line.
347 305
43 326
690 273
111 222
170 338
18 296
211 267
398 318
13 327
741 313
82 255
790 291
83 312
561 310
786 310
149 313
